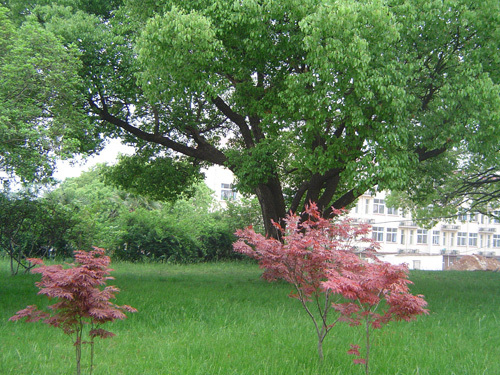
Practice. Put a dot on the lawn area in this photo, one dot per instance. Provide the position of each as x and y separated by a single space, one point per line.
221 318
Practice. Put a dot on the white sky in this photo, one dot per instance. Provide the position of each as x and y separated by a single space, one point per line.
74 167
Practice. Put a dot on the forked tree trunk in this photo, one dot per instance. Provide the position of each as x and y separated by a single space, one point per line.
273 208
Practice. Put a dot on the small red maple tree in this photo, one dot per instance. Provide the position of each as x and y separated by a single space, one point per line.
82 301
309 249
321 259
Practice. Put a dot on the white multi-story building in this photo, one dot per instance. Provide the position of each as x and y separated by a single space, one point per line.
404 240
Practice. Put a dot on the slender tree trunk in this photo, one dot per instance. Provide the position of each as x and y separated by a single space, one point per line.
321 338
12 264
14 257
367 359
91 357
78 348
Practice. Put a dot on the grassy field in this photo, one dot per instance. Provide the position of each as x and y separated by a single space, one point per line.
222 318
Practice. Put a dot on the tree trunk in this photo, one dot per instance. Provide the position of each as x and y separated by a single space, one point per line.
272 205
320 350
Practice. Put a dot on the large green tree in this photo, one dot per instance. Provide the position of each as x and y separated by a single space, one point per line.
310 100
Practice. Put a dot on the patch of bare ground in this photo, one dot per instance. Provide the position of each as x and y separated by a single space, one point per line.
475 263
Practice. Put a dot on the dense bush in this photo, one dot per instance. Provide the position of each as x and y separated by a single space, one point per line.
145 239
84 212
154 236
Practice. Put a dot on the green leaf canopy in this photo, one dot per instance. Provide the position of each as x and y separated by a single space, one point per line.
311 100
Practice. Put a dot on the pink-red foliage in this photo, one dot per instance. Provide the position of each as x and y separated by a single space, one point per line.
80 293
309 250
373 282
375 286
319 256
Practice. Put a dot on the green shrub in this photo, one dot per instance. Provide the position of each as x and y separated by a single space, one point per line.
142 243
218 245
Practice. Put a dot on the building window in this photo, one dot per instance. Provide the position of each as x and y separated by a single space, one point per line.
378 233
367 206
416 264
473 217
472 239
227 192
392 235
462 217
496 240
496 217
392 211
461 239
421 236
452 239
411 237
444 238
378 206
402 237
435 237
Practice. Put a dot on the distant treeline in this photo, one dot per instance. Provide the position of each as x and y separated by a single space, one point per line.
85 211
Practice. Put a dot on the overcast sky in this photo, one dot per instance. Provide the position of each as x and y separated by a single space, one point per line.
109 154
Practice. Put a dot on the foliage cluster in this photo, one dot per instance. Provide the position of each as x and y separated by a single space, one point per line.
321 259
39 92
82 305
134 228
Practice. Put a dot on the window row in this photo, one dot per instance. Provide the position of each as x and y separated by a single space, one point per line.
378 206
436 238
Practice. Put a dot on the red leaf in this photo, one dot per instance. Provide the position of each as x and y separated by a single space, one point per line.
354 350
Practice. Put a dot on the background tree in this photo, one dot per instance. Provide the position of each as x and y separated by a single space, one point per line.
40 96
96 208
134 228
471 188
31 226
303 101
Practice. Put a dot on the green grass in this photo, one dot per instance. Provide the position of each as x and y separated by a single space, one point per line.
223 319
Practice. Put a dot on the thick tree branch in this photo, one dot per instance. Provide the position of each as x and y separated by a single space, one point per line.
237 119
329 191
205 151
342 202
297 198
256 130
424 154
